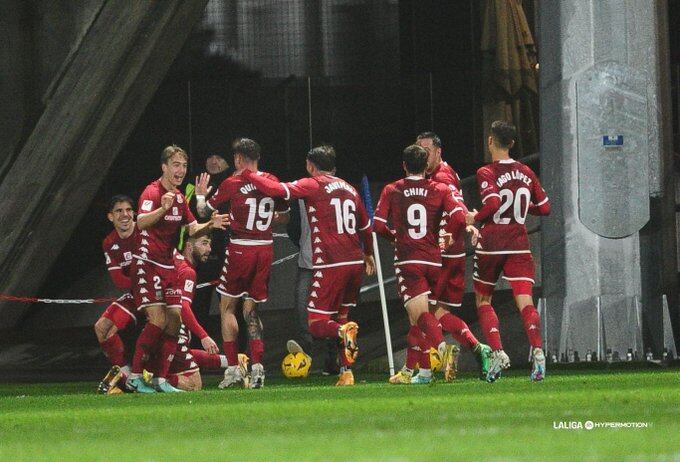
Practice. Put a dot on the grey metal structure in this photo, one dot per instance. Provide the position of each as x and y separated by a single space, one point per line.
609 250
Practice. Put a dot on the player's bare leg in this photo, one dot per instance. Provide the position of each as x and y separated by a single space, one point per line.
229 326
191 382
532 327
147 344
488 321
256 344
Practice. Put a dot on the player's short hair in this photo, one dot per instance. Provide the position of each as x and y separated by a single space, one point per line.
170 151
120 198
503 133
247 148
436 141
323 157
193 239
415 158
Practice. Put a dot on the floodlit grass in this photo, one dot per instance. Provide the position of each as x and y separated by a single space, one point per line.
512 419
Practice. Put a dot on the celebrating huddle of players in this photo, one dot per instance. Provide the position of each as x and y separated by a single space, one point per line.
423 215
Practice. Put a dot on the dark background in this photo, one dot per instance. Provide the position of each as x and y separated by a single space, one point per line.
398 68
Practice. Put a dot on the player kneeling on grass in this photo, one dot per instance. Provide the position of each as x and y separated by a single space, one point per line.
415 207
249 255
339 226
185 368
509 190
118 247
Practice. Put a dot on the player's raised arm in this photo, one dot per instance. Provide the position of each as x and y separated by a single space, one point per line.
488 192
299 189
202 190
382 212
540 204
151 210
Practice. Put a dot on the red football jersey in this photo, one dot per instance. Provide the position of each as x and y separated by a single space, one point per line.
517 187
336 217
443 173
157 243
118 254
186 277
415 207
251 212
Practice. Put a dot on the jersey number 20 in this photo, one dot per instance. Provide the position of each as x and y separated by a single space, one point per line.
519 201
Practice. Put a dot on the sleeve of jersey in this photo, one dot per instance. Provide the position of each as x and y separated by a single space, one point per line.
540 204
189 320
382 211
220 197
455 212
148 202
268 186
488 192
365 228
119 279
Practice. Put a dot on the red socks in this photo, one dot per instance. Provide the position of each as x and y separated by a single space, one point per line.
431 327
488 321
114 350
256 351
413 339
147 344
324 328
231 352
458 329
206 360
532 325
166 355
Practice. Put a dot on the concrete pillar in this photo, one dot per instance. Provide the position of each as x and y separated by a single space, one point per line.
605 162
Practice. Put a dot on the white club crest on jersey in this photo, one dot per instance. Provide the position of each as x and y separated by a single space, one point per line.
180 199
188 285
147 205
485 184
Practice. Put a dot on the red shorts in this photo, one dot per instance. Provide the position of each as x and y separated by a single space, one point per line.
154 285
517 268
121 312
246 271
451 283
333 291
414 279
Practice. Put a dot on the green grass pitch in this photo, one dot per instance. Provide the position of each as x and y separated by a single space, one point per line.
512 419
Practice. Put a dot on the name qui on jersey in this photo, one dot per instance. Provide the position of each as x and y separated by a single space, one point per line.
247 188
513 175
